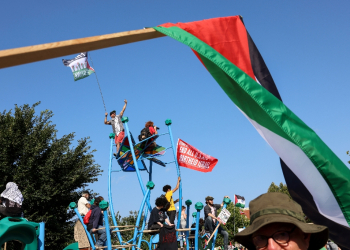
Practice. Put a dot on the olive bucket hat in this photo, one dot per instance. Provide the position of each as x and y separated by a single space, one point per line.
279 208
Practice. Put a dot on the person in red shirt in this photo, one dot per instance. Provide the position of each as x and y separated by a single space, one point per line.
148 131
151 127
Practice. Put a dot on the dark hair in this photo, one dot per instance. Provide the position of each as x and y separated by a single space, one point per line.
98 200
201 221
183 207
85 192
149 124
161 202
166 188
110 113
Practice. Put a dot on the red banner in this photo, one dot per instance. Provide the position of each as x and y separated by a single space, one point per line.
190 157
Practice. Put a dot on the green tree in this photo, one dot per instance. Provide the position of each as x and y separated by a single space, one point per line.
49 172
282 188
236 220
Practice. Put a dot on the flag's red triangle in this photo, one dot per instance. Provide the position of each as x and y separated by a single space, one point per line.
227 35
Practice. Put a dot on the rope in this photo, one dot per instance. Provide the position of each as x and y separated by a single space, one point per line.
98 84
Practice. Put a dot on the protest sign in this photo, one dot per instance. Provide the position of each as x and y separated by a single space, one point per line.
190 157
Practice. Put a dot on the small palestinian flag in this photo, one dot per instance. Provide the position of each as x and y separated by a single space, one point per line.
79 66
239 201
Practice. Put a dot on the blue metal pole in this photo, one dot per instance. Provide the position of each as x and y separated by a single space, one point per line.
125 121
226 202
146 209
42 236
109 242
82 222
188 204
111 136
150 171
197 229
150 185
168 123
199 207
143 227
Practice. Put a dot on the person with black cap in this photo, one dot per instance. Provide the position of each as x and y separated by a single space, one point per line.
277 222
117 125
210 216
83 203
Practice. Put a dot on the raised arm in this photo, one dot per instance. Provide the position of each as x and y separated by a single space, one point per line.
105 121
177 185
122 112
222 204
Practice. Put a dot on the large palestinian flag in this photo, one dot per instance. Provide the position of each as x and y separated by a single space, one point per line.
316 178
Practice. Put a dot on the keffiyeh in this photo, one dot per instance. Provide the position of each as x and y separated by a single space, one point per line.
12 193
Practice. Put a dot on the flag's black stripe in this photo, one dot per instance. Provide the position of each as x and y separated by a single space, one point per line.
240 197
260 69
297 190
66 62
338 233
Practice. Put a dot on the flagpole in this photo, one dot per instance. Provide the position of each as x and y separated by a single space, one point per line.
104 105
234 220
242 218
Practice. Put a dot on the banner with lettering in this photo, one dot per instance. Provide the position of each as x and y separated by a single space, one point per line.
190 157
79 66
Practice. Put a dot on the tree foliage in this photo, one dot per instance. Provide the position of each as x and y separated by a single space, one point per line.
282 188
49 172
236 220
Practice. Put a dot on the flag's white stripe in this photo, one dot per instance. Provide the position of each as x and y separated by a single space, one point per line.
305 170
241 201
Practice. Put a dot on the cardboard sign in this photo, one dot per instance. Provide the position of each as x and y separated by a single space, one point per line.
224 215
190 157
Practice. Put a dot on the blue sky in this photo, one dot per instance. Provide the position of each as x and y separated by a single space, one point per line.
305 44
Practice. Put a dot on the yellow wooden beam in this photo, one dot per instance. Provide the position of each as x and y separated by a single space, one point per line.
14 57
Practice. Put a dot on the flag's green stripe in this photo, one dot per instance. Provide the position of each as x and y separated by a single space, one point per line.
264 108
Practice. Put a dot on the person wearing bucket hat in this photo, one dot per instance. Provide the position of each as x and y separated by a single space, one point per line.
277 222
210 216
117 125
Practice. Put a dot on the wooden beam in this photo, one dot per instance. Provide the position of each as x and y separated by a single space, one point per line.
14 57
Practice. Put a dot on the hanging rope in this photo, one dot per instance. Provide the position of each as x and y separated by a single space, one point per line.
98 84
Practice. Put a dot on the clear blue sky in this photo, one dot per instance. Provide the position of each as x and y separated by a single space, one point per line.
305 44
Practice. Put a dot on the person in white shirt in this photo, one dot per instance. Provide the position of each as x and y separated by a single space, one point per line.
117 125
79 230
83 203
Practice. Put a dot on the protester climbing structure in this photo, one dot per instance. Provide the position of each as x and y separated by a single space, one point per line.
133 157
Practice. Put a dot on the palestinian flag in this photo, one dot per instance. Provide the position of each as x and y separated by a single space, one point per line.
316 178
79 66
239 201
